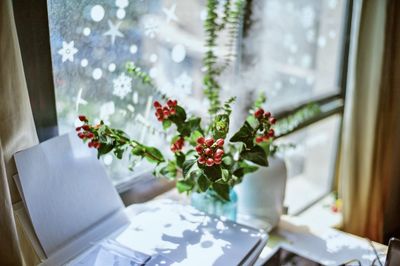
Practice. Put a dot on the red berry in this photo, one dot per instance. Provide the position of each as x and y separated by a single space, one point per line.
199 149
219 153
201 160
272 120
271 133
85 127
334 208
265 137
220 142
259 113
82 118
157 104
97 145
209 142
173 148
89 135
201 140
78 128
160 119
259 139
159 111
90 144
170 103
81 135
173 111
166 112
174 103
217 160
208 152
210 162
267 114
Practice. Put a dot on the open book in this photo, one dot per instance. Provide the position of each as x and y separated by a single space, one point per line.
77 217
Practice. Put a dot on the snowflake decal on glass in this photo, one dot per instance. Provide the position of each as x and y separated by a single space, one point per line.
122 85
68 51
113 31
151 27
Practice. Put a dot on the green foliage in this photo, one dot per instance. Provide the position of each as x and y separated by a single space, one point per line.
291 122
245 134
241 156
137 73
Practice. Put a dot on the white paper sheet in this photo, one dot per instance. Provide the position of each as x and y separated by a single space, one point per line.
65 189
186 236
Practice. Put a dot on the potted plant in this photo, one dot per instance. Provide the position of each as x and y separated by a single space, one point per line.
205 162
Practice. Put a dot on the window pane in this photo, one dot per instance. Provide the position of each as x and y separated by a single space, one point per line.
311 163
91 42
293 49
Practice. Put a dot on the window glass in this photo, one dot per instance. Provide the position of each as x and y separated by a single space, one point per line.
91 41
293 49
311 163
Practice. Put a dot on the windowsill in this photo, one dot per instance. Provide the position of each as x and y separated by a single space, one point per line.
320 214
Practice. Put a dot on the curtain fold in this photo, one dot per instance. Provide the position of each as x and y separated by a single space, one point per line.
17 130
360 188
387 143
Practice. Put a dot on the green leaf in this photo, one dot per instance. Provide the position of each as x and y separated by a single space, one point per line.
256 155
194 124
220 126
153 155
184 185
119 152
222 190
253 122
104 149
245 135
187 165
225 175
180 159
203 183
213 172
180 115
227 160
166 124
167 170
194 136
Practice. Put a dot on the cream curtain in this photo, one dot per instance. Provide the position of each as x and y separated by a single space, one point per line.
17 132
360 188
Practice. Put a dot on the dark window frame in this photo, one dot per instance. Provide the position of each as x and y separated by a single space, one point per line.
33 32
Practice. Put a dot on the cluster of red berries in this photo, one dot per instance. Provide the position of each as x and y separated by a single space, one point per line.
265 118
210 151
177 145
84 132
163 112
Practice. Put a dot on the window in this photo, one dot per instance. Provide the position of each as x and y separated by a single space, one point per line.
91 42
296 50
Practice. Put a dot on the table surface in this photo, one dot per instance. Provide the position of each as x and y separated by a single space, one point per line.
322 244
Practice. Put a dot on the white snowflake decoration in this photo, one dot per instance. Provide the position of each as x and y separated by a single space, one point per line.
113 31
151 27
68 51
80 100
183 83
122 85
170 13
